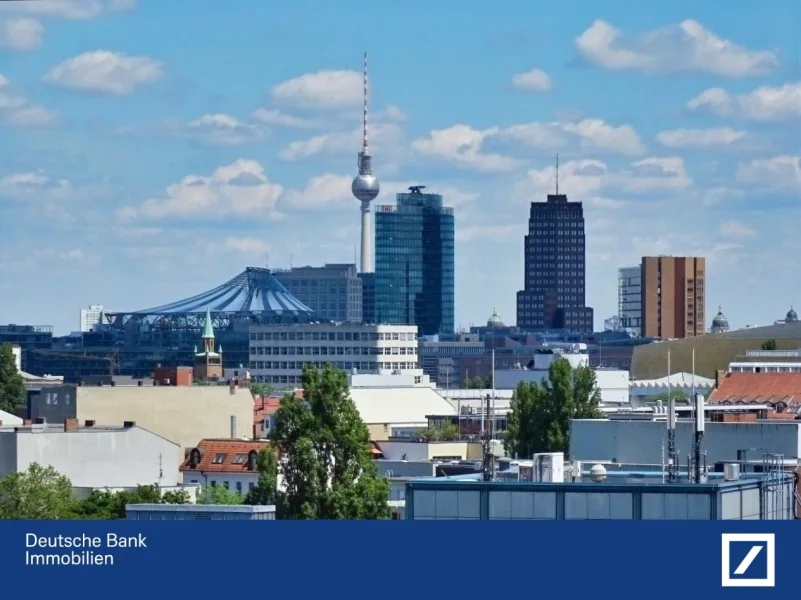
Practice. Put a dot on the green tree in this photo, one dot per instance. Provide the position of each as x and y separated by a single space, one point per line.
265 491
218 494
12 386
446 433
325 456
477 382
539 419
768 345
36 493
261 389
105 505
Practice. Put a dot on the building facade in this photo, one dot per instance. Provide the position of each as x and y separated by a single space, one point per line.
368 297
92 456
90 317
414 275
629 299
333 291
673 296
555 270
278 353
229 463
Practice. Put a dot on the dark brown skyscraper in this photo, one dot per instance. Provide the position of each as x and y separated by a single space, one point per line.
673 296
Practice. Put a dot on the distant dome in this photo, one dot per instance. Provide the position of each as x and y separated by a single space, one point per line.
720 323
791 317
495 320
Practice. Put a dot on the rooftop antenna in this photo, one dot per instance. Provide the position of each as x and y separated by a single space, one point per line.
290 260
557 174
266 260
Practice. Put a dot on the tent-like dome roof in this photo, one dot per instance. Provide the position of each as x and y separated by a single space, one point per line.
255 290
791 317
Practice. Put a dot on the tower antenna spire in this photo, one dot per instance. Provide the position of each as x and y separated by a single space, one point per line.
557 174
365 147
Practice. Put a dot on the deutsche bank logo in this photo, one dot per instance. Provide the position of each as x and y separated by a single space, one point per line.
749 559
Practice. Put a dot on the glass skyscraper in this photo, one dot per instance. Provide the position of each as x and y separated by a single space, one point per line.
414 264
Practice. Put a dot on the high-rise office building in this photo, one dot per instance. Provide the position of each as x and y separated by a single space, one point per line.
555 272
629 299
414 274
673 296
333 291
91 316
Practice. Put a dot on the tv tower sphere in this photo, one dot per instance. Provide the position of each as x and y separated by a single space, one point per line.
365 187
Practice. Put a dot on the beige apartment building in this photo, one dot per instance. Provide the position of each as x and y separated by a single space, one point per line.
673 296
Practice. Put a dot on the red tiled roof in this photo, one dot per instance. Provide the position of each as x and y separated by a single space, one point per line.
264 406
759 388
223 456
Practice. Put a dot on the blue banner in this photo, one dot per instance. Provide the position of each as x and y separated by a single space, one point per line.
624 559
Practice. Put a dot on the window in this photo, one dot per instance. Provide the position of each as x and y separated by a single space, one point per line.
219 459
225 484
251 485
239 486
240 459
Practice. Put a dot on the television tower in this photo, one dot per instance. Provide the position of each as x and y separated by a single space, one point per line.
365 188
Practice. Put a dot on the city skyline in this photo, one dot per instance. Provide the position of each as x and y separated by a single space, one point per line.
141 164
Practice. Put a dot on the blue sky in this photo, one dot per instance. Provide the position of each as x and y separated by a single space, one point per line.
149 151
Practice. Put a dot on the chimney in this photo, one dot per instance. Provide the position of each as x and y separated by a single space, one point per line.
70 425
233 427
719 375
128 424
89 423
39 421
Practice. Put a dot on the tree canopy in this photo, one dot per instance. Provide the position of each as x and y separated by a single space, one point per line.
768 345
261 389
539 419
265 492
36 493
477 382
218 494
105 505
325 453
12 386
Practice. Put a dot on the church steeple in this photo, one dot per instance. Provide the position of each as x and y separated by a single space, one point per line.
208 363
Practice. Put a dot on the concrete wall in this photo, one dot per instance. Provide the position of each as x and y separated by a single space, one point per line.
184 415
8 453
640 442
99 459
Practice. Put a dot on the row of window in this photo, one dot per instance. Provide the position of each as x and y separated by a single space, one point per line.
345 365
333 336
331 351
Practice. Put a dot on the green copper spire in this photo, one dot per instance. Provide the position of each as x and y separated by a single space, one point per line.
208 330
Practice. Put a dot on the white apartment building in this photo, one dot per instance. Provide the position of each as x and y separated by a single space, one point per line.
278 352
91 316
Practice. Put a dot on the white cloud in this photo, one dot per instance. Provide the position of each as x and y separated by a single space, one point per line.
323 192
16 111
240 190
276 117
71 10
735 229
106 72
700 138
762 104
461 145
590 180
381 135
32 116
535 80
598 135
323 89
240 245
20 34
687 46
779 173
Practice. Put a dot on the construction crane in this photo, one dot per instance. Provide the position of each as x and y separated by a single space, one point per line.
112 359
